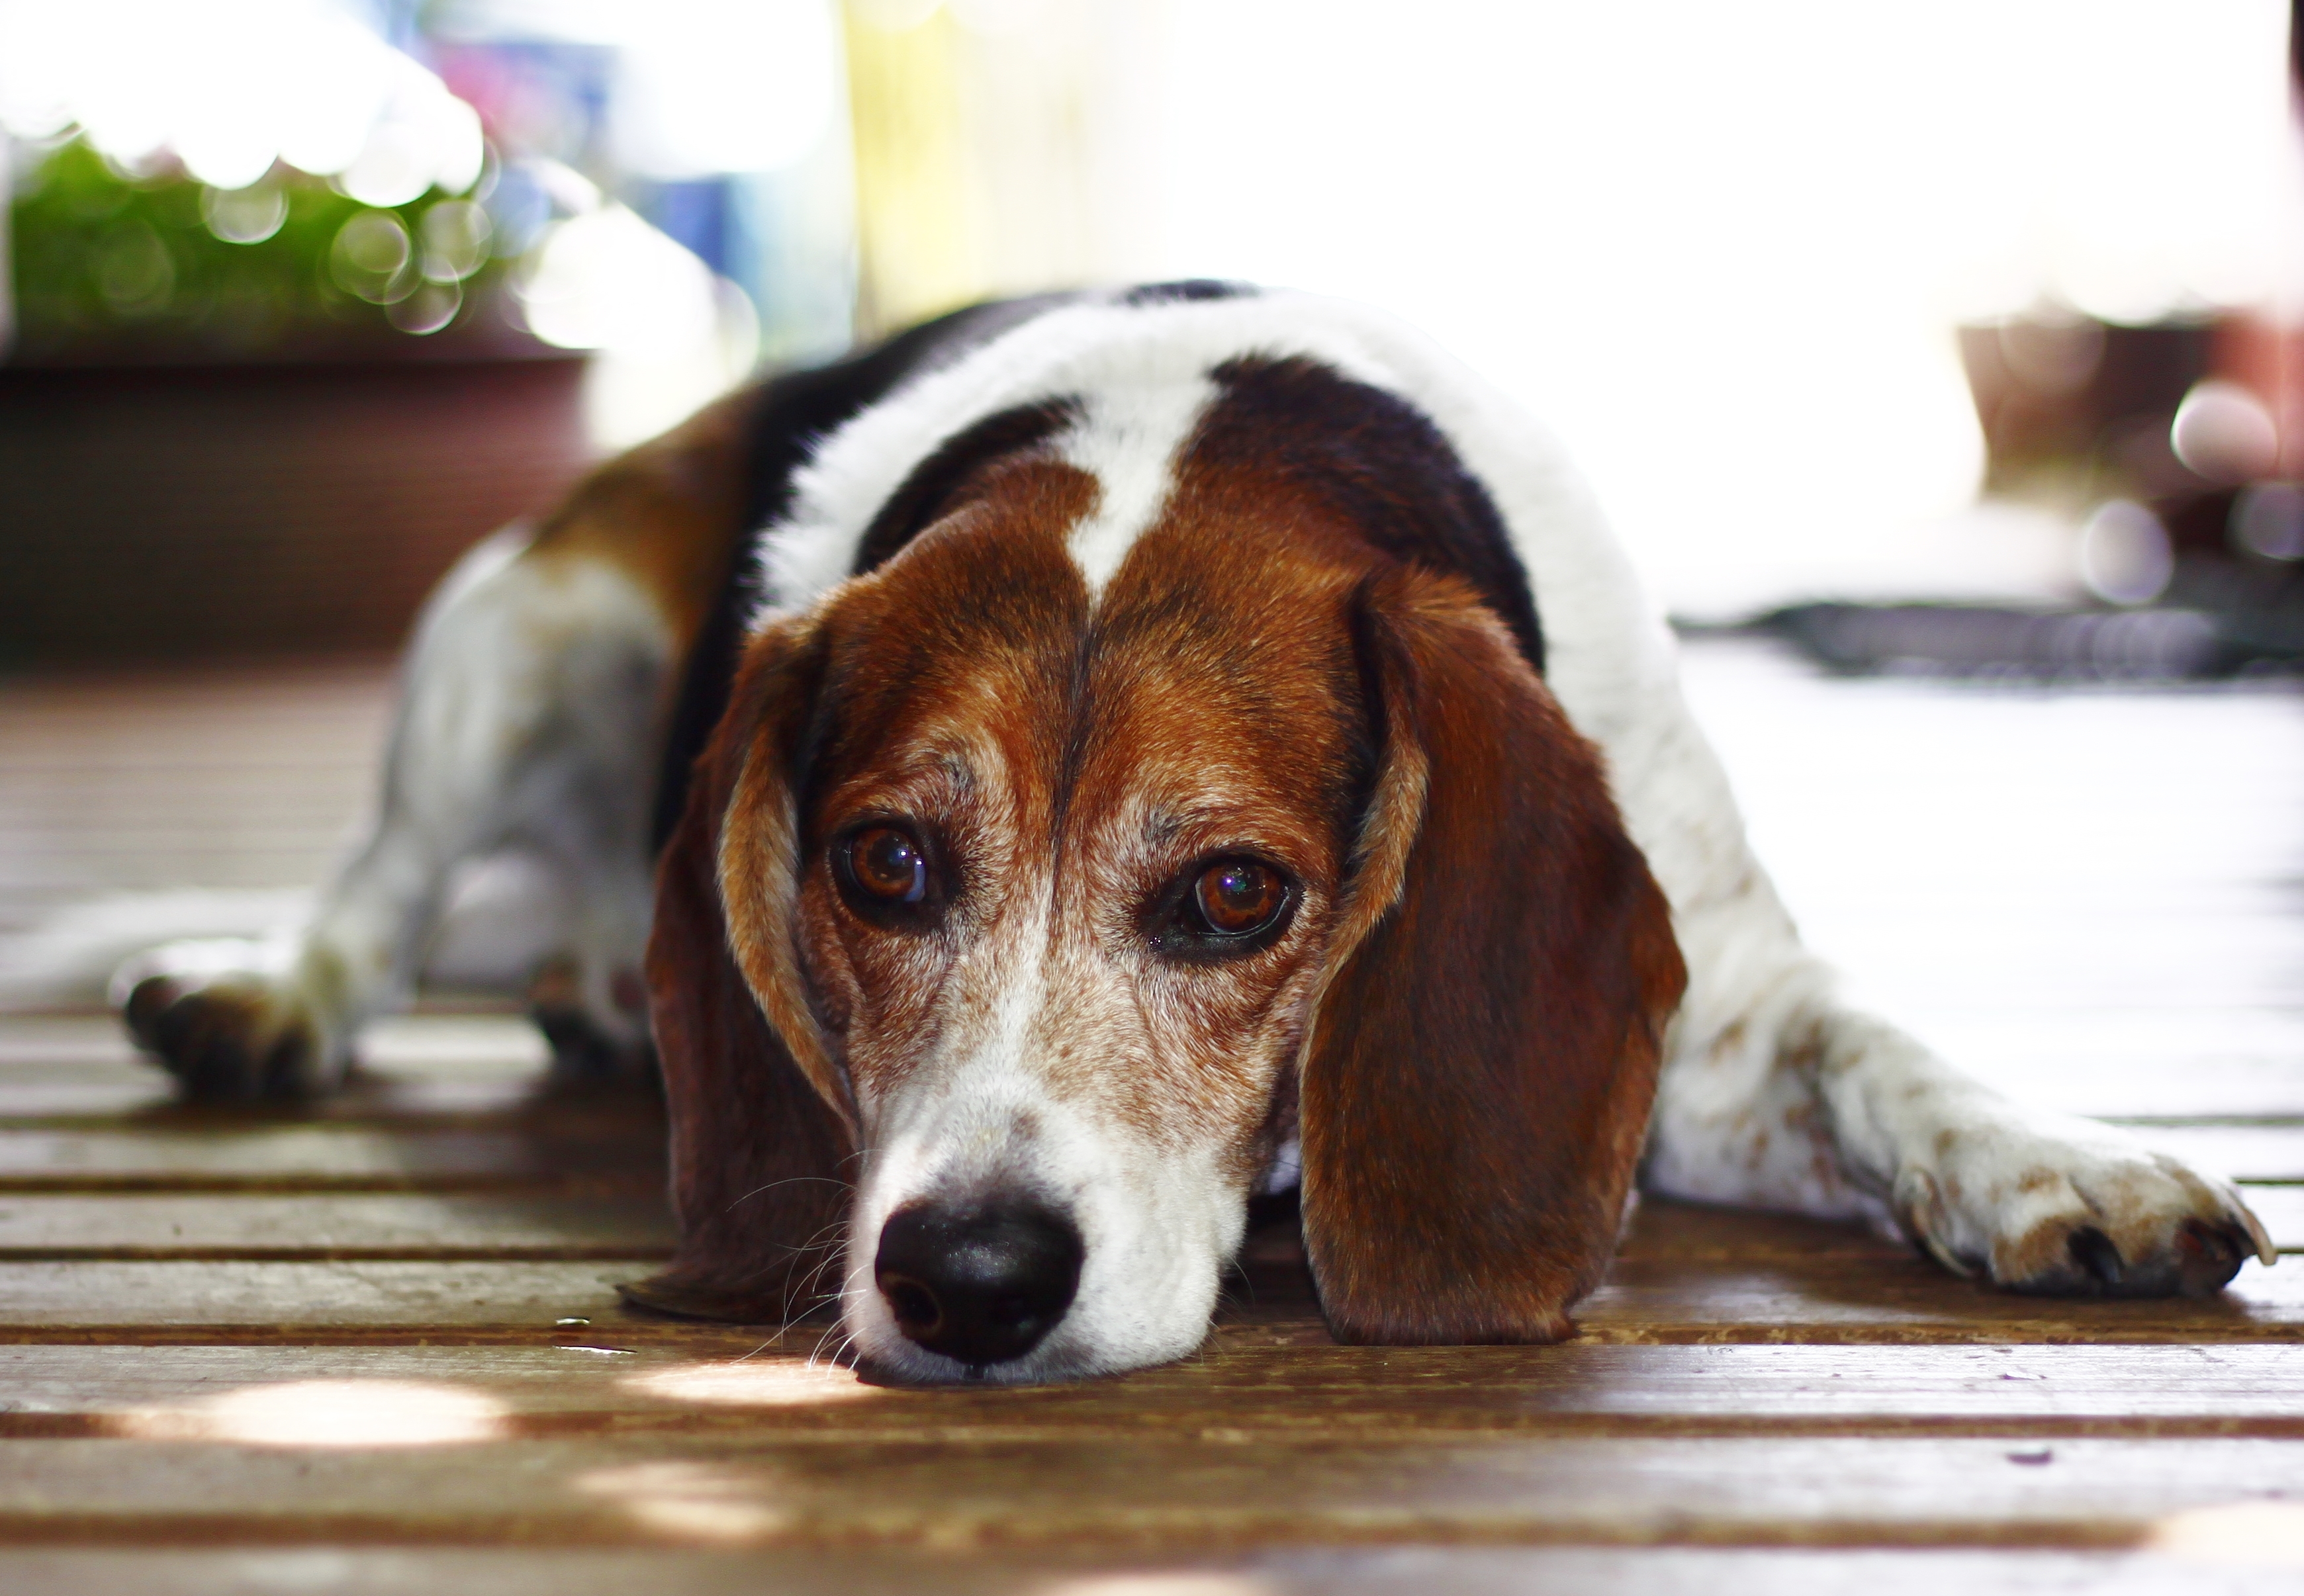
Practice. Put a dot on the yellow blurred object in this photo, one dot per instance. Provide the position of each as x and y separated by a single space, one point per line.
1002 147
915 255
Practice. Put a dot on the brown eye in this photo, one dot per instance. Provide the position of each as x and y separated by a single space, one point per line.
887 864
1238 896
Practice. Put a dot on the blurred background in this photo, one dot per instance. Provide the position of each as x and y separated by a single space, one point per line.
1976 301
1941 365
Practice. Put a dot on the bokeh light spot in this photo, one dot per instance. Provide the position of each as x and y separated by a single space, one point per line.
330 1413
2125 554
245 215
373 258
737 1383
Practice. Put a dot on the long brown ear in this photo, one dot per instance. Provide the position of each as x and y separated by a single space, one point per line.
761 1125
1477 1074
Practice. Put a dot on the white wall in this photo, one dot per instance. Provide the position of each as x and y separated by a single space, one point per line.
1721 246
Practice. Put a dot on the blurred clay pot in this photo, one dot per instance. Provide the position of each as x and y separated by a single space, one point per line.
174 512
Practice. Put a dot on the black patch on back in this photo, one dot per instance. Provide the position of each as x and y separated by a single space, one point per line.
1380 463
797 409
913 506
1186 289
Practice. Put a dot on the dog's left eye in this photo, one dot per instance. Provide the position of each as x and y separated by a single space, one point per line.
1223 907
1238 896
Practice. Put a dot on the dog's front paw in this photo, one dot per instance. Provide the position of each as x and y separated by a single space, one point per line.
221 1016
2078 1209
598 1037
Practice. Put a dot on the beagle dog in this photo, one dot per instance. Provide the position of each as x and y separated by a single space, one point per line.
1098 758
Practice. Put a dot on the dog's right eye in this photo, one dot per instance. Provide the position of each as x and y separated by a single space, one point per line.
883 868
888 864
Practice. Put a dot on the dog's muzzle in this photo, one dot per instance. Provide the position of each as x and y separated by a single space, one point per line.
981 1283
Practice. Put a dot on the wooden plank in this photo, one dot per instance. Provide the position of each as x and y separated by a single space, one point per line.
313 1227
41 1097
130 781
1214 1491
2242 1150
1687 1275
347 1300
1884 1300
2281 1209
320 1158
530 1570
2082 897
1666 1232
1348 1393
40 1047
144 1096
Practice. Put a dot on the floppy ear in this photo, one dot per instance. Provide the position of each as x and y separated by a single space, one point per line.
1477 1073
762 1128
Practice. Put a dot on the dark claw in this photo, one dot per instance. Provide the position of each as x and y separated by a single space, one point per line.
283 1066
215 1067
584 1055
147 1005
2093 1252
2208 1256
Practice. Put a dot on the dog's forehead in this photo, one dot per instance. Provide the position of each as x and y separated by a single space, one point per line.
968 636
1220 684
1212 670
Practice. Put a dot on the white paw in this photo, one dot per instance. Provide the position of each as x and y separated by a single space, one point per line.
223 1015
2069 1206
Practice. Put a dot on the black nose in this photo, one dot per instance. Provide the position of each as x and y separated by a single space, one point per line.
982 1284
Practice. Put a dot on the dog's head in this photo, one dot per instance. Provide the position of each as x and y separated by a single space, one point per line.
1073 868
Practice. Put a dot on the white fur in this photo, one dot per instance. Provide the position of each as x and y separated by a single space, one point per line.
1128 442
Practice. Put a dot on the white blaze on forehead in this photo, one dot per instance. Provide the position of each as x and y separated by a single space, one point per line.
1129 441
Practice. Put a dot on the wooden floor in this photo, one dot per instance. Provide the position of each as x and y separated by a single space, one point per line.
374 1346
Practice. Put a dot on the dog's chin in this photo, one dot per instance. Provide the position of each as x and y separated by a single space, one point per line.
883 1356
902 1364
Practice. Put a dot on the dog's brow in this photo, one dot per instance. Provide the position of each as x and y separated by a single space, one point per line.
916 775
1161 827
1204 826
945 762
940 750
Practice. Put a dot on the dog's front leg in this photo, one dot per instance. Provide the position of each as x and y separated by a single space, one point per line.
2031 1200
527 715
1778 1095
1775 1094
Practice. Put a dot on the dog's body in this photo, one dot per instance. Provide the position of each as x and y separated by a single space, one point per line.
1173 744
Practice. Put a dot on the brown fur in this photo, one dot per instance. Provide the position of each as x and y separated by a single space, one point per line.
760 1156
1477 1083
945 706
668 514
